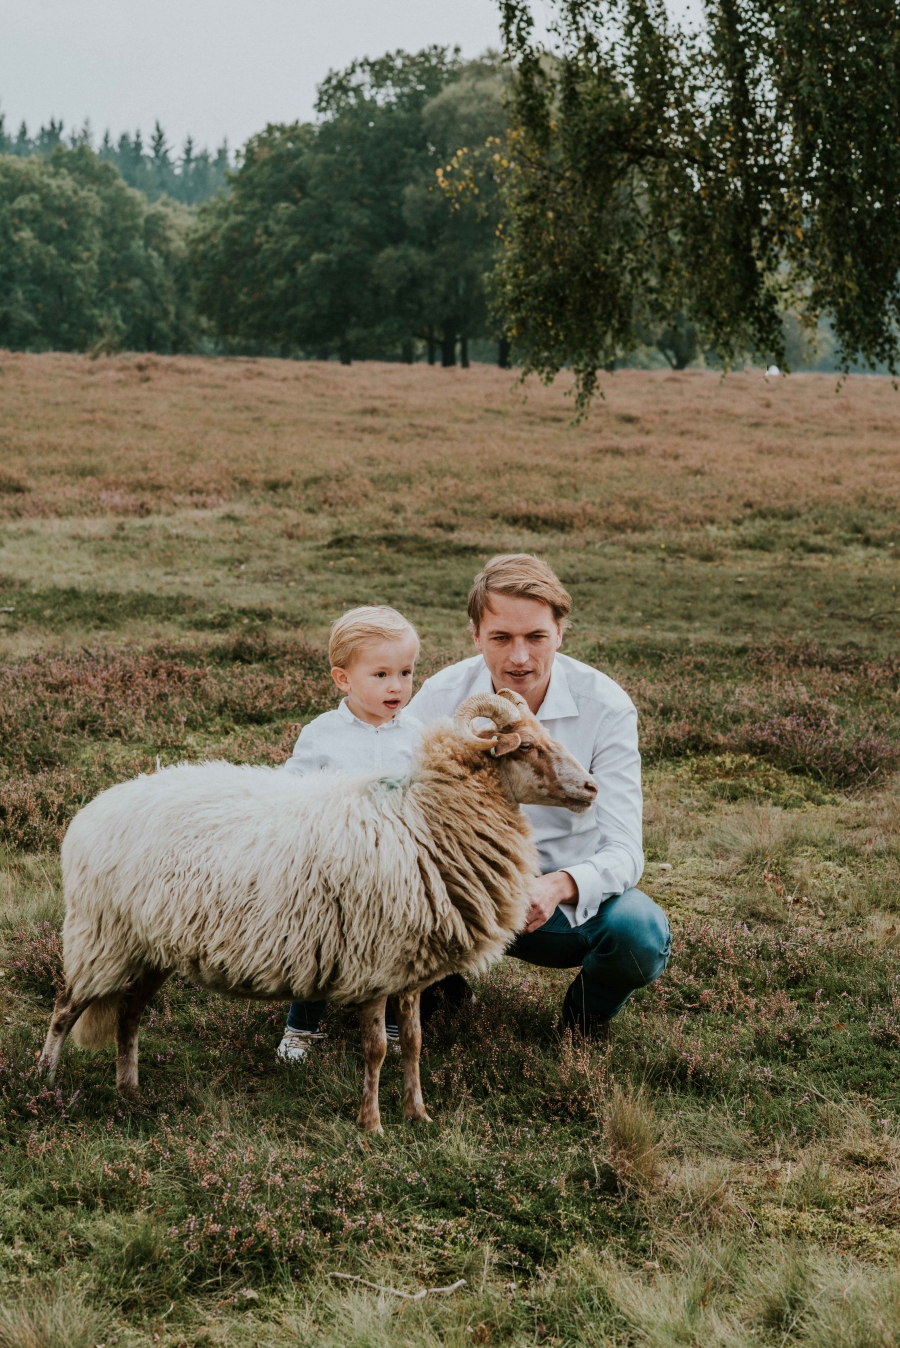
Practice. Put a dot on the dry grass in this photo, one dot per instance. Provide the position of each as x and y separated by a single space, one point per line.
50 1317
686 505
127 435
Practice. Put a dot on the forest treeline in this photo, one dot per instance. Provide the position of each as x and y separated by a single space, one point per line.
156 170
335 238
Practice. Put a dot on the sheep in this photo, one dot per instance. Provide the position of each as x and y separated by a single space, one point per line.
254 883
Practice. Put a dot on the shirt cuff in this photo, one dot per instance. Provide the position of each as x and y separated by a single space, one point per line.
590 889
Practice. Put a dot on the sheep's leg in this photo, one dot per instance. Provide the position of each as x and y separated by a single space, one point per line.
374 1040
65 1013
130 1010
410 1028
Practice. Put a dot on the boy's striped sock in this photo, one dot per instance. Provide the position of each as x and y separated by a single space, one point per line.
392 1029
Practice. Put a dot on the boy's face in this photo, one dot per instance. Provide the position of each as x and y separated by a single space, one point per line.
378 683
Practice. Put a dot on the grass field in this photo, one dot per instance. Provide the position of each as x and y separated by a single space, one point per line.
176 536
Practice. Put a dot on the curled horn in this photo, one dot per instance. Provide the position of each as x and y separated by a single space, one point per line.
516 698
494 708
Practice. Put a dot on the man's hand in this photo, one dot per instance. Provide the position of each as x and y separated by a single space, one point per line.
546 893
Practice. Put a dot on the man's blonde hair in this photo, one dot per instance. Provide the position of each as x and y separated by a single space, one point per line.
371 622
522 576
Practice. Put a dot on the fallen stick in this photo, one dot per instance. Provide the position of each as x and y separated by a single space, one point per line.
407 1296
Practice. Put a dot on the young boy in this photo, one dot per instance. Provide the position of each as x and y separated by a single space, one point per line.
373 652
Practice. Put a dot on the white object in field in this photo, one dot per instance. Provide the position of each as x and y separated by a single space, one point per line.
772 372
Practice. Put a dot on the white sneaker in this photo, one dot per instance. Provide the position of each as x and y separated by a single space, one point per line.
296 1045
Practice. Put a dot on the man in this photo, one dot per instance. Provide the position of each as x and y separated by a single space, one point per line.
585 912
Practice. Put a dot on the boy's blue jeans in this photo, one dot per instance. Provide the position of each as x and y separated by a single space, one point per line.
308 1015
623 948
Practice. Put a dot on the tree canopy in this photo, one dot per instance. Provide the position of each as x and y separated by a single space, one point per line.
86 261
336 236
658 179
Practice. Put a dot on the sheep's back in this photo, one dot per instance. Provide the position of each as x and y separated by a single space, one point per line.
246 879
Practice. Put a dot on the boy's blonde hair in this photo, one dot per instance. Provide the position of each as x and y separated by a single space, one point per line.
522 576
371 622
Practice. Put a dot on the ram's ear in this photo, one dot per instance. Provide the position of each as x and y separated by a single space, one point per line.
506 744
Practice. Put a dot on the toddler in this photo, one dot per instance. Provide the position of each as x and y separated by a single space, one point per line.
373 652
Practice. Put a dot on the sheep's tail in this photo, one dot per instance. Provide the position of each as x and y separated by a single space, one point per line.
97 1025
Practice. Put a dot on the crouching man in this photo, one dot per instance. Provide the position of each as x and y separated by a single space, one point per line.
585 911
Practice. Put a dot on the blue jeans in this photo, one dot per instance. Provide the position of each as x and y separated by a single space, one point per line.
308 1015
305 1016
623 948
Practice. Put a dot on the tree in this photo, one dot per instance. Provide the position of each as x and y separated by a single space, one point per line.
451 213
49 256
678 342
337 237
84 261
712 179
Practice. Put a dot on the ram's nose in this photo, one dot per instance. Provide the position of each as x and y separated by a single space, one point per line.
590 786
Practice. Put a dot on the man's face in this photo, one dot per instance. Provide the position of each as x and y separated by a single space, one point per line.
519 639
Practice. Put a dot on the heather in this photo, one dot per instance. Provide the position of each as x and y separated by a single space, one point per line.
726 1173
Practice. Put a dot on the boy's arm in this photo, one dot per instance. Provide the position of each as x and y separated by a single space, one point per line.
307 755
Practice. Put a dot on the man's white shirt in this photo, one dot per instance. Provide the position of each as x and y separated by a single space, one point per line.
340 742
596 721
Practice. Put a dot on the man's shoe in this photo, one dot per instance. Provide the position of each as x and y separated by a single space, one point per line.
590 1027
296 1044
450 995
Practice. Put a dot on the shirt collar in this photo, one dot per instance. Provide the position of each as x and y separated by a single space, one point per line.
347 715
558 701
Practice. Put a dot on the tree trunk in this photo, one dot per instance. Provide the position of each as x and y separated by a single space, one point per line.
429 338
503 354
464 351
407 351
448 349
344 351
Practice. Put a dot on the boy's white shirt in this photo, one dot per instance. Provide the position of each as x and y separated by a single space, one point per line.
341 742
596 721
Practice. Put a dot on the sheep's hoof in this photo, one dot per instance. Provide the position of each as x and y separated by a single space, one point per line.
419 1118
371 1126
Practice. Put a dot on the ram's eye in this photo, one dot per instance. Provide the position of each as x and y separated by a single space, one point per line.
526 747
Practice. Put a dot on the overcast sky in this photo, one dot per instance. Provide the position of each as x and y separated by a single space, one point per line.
209 68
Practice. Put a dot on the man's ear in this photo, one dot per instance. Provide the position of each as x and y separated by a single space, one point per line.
506 744
475 637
